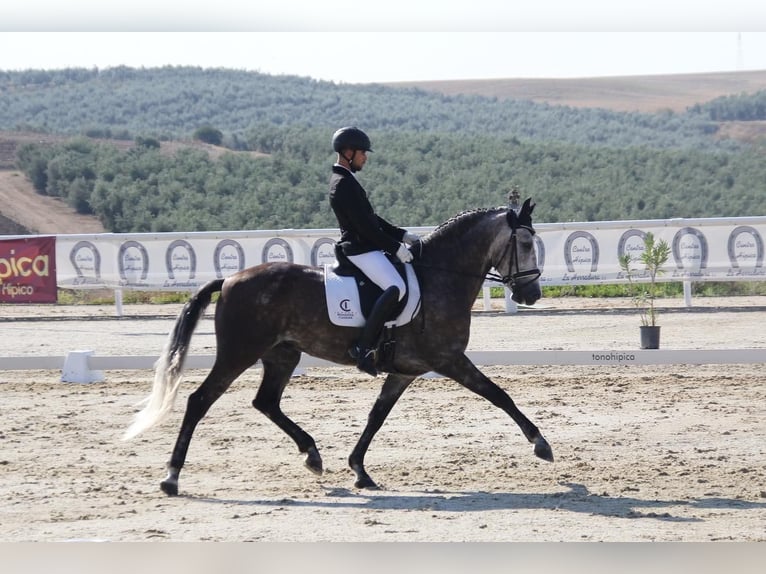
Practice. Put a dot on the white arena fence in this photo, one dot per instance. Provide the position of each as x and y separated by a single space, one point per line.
568 253
714 249
85 367
717 249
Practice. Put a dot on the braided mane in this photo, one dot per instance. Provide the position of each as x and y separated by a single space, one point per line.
465 218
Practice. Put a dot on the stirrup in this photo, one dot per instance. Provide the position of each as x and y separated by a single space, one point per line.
366 361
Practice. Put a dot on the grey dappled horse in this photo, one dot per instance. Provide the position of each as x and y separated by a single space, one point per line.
276 311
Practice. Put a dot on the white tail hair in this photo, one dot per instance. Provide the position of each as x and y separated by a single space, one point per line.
167 379
169 367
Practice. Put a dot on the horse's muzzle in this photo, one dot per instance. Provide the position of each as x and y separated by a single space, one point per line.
525 287
528 293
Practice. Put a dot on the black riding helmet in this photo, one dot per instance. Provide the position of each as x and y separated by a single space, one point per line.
350 138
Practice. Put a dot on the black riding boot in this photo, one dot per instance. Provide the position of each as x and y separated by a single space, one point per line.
365 350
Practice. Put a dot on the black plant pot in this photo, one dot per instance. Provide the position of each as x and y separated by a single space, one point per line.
650 336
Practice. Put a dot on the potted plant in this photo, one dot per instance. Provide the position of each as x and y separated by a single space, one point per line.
653 258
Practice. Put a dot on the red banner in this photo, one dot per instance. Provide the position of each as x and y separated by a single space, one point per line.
28 270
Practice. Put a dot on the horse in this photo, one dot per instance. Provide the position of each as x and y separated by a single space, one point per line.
275 311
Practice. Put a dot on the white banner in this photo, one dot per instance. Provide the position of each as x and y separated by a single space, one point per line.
568 253
701 250
182 261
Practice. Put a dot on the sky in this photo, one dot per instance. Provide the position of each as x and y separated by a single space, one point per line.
356 41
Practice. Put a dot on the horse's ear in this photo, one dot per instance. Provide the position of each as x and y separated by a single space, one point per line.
512 218
525 213
528 206
523 216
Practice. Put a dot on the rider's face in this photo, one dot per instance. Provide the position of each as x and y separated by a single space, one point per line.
359 159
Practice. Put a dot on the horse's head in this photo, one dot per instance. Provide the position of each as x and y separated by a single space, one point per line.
517 263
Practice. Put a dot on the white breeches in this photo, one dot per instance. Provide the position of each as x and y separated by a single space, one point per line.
380 270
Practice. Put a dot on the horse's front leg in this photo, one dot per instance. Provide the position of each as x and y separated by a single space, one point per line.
465 372
392 389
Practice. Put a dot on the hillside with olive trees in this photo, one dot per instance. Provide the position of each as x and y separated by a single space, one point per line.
122 147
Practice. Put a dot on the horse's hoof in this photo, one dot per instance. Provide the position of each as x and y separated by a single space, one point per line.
366 483
169 487
543 449
314 462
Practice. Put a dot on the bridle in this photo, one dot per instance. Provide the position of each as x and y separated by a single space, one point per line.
512 251
512 279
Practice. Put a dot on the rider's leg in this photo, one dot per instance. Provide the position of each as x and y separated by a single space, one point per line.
376 266
380 271
366 346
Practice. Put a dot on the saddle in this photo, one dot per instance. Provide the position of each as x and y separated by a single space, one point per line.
351 295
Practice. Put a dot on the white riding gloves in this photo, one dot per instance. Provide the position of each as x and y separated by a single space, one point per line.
410 238
403 253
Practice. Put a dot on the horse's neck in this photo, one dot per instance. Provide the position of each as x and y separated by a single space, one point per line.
464 246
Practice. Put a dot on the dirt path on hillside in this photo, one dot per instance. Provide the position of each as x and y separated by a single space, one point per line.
40 214
648 94
662 453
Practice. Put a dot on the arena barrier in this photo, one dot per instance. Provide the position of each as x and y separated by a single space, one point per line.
86 367
571 253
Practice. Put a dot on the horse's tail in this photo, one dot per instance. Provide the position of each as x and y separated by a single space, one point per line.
169 366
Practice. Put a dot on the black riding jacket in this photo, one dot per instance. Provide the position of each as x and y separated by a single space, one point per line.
361 231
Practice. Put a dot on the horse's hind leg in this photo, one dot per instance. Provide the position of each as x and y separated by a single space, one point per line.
215 384
278 364
392 389
465 372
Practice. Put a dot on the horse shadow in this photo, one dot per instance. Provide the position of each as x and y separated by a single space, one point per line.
576 498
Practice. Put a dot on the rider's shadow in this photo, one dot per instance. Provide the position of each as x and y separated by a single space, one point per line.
576 499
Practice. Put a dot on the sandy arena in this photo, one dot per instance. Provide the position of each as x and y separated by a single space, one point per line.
665 453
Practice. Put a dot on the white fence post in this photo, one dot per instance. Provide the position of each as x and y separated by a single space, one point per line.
688 293
510 304
118 302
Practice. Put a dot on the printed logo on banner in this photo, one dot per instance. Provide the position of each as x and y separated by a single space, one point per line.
28 270
181 264
690 252
86 261
581 254
323 252
632 243
133 263
277 250
745 248
229 258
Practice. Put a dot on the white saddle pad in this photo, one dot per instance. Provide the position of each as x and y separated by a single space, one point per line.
343 304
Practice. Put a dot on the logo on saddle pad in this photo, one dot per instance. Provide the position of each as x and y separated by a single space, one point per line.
344 304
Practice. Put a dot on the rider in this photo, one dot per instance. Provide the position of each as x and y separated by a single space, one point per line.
365 237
